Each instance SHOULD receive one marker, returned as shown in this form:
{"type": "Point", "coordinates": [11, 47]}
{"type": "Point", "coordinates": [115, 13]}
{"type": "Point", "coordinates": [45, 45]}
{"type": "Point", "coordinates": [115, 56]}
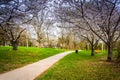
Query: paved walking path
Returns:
{"type": "Point", "coordinates": [30, 72]}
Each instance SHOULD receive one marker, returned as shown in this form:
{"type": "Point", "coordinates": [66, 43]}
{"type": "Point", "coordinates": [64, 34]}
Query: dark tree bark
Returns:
{"type": "Point", "coordinates": [92, 50]}
{"type": "Point", "coordinates": [14, 45]}
{"type": "Point", "coordinates": [110, 54]}
{"type": "Point", "coordinates": [76, 51]}
{"type": "Point", "coordinates": [118, 49]}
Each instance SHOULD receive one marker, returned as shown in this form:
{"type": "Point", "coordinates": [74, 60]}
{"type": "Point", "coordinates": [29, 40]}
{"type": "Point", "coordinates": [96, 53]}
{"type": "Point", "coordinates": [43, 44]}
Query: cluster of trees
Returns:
{"type": "Point", "coordinates": [100, 18]}
{"type": "Point", "coordinates": [14, 13]}
{"type": "Point", "coordinates": [80, 22]}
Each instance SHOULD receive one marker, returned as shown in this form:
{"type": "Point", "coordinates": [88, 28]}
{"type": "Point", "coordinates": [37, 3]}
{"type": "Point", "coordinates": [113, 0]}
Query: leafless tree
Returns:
{"type": "Point", "coordinates": [102, 17]}
{"type": "Point", "coordinates": [41, 22]}
{"type": "Point", "coordinates": [48, 26]}
{"type": "Point", "coordinates": [14, 13]}
{"type": "Point", "coordinates": [92, 39]}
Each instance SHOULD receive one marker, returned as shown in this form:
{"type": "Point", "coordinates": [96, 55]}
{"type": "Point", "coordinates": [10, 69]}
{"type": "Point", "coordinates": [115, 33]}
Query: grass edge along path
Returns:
{"type": "Point", "coordinates": [82, 66]}
{"type": "Point", "coordinates": [10, 59]}
{"type": "Point", "coordinates": [31, 71]}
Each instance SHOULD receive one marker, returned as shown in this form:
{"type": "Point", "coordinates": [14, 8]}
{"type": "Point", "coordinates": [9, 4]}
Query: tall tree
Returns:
{"type": "Point", "coordinates": [14, 13]}
{"type": "Point", "coordinates": [102, 17]}
{"type": "Point", "coordinates": [92, 39]}
{"type": "Point", "coordinates": [39, 21]}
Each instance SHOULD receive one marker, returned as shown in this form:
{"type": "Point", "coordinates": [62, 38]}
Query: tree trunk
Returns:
{"type": "Point", "coordinates": [14, 45]}
{"type": "Point", "coordinates": [110, 54]}
{"type": "Point", "coordinates": [4, 43]}
{"type": "Point", "coordinates": [118, 50]}
{"type": "Point", "coordinates": [39, 44]}
{"type": "Point", "coordinates": [118, 55]}
{"type": "Point", "coordinates": [92, 50]}
{"type": "Point", "coordinates": [102, 47]}
{"type": "Point", "coordinates": [27, 43]}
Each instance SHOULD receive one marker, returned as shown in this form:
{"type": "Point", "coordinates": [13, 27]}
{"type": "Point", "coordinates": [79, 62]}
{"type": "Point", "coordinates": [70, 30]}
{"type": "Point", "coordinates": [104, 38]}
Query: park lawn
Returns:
{"type": "Point", "coordinates": [10, 59]}
{"type": "Point", "coordinates": [82, 66]}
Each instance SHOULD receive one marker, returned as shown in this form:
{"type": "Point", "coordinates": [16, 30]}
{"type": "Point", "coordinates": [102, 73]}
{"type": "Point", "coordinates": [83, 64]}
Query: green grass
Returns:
{"type": "Point", "coordinates": [82, 66]}
{"type": "Point", "coordinates": [10, 59]}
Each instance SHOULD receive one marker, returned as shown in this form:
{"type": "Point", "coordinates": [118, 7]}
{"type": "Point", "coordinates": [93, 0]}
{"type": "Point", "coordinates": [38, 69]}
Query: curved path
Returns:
{"type": "Point", "coordinates": [30, 72]}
